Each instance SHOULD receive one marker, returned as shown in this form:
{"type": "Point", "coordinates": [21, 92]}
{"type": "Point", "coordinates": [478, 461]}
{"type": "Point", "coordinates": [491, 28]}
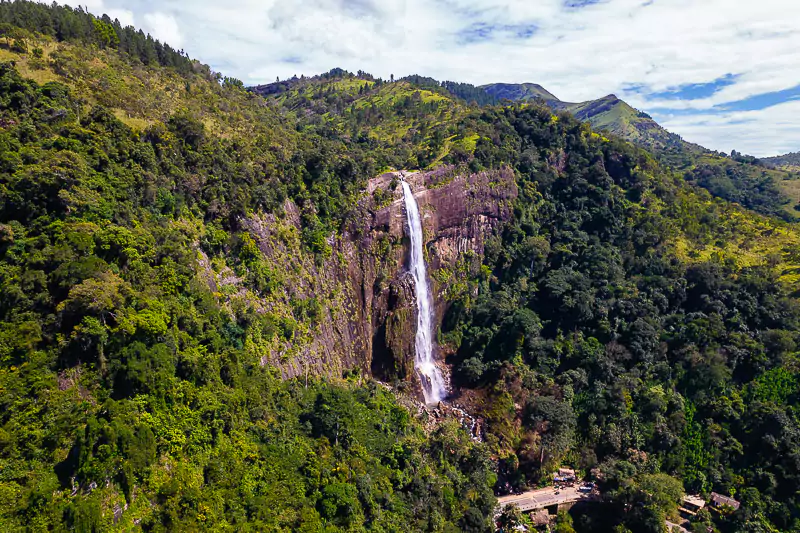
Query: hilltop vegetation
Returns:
{"type": "Point", "coordinates": [20, 20]}
{"type": "Point", "coordinates": [623, 321]}
{"type": "Point", "coordinates": [519, 92]}
{"type": "Point", "coordinates": [789, 161]}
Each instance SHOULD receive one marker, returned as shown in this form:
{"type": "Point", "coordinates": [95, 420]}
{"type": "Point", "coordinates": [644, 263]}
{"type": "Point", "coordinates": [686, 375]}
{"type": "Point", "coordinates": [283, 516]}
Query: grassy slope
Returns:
{"type": "Point", "coordinates": [143, 95]}
{"type": "Point", "coordinates": [619, 118]}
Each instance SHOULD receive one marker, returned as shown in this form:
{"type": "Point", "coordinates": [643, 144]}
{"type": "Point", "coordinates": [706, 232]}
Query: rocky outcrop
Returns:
{"type": "Point", "coordinates": [367, 304]}
{"type": "Point", "coordinates": [393, 340]}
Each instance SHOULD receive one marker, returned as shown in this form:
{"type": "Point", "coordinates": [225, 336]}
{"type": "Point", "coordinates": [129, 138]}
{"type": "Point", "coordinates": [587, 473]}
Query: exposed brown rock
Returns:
{"type": "Point", "coordinates": [369, 320]}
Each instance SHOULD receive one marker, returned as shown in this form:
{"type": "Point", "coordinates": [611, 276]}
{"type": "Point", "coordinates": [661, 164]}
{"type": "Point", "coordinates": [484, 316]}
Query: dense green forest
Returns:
{"type": "Point", "coordinates": [751, 186]}
{"type": "Point", "coordinates": [623, 321]}
{"type": "Point", "coordinates": [623, 358]}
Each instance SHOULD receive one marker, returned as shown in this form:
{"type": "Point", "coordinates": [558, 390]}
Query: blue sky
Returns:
{"type": "Point", "coordinates": [722, 73]}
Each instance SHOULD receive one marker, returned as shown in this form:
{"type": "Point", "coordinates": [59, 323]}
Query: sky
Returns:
{"type": "Point", "coordinates": [721, 73]}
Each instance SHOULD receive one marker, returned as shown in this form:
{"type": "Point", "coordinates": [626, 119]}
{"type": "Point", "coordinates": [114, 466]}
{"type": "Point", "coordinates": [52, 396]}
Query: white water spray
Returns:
{"type": "Point", "coordinates": [433, 386]}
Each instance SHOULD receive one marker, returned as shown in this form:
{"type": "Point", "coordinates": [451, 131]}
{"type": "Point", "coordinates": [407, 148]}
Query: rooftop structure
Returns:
{"type": "Point", "coordinates": [691, 504]}
{"type": "Point", "coordinates": [718, 500]}
{"type": "Point", "coordinates": [565, 474]}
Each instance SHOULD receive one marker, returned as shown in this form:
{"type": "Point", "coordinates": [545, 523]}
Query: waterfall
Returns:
{"type": "Point", "coordinates": [431, 377]}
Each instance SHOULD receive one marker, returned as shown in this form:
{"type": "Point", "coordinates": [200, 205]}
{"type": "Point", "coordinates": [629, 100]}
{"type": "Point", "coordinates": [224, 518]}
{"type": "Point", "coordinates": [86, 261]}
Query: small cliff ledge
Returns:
{"type": "Point", "coordinates": [364, 308]}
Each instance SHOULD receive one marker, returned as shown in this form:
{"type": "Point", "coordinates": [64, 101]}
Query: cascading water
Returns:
{"type": "Point", "coordinates": [433, 386]}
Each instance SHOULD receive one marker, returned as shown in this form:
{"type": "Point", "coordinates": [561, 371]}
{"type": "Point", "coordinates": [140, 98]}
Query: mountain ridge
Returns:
{"type": "Point", "coordinates": [606, 113]}
{"type": "Point", "coordinates": [518, 91]}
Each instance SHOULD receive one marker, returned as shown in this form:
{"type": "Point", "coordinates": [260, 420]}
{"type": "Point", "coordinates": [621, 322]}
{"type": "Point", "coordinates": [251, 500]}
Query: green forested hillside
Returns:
{"type": "Point", "coordinates": [606, 114]}
{"type": "Point", "coordinates": [622, 321]}
{"type": "Point", "coordinates": [740, 179]}
{"type": "Point", "coordinates": [788, 161]}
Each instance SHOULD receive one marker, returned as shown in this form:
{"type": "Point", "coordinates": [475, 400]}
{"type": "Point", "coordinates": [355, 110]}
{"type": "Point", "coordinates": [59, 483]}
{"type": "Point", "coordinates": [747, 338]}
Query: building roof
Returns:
{"type": "Point", "coordinates": [719, 499]}
{"type": "Point", "coordinates": [564, 474]}
{"type": "Point", "coordinates": [694, 500]}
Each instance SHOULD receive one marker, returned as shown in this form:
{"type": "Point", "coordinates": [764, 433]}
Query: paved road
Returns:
{"type": "Point", "coordinates": [541, 498]}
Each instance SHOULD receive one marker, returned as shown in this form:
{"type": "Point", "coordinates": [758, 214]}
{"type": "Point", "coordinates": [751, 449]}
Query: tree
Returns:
{"type": "Point", "coordinates": [8, 31]}
{"type": "Point", "coordinates": [662, 490]}
{"type": "Point", "coordinates": [510, 518]}
{"type": "Point", "coordinates": [564, 523]}
{"type": "Point", "coordinates": [99, 296]}
{"type": "Point", "coordinates": [106, 34]}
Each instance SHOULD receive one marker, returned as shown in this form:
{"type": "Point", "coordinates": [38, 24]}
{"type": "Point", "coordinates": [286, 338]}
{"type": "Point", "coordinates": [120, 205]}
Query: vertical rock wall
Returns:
{"type": "Point", "coordinates": [368, 309]}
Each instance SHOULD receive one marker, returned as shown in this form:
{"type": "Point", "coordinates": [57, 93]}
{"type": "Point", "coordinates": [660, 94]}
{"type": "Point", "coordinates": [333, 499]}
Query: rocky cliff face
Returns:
{"type": "Point", "coordinates": [362, 296]}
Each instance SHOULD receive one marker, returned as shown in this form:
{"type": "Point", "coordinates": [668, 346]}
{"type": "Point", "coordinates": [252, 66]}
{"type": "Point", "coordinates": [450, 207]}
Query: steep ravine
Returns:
{"type": "Point", "coordinates": [368, 319]}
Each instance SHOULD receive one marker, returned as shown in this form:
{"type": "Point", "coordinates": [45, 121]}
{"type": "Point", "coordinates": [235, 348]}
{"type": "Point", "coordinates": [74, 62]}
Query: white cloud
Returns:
{"type": "Point", "coordinates": [770, 131]}
{"type": "Point", "coordinates": [164, 27]}
{"type": "Point", "coordinates": [577, 53]}
{"type": "Point", "coordinates": [124, 16]}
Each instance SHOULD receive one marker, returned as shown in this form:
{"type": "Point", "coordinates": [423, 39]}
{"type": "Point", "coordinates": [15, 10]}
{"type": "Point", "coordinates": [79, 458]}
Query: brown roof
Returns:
{"type": "Point", "coordinates": [719, 499]}
{"type": "Point", "coordinates": [695, 501]}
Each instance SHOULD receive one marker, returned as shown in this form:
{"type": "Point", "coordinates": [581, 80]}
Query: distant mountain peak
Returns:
{"type": "Point", "coordinates": [519, 92]}
{"type": "Point", "coordinates": [606, 113]}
